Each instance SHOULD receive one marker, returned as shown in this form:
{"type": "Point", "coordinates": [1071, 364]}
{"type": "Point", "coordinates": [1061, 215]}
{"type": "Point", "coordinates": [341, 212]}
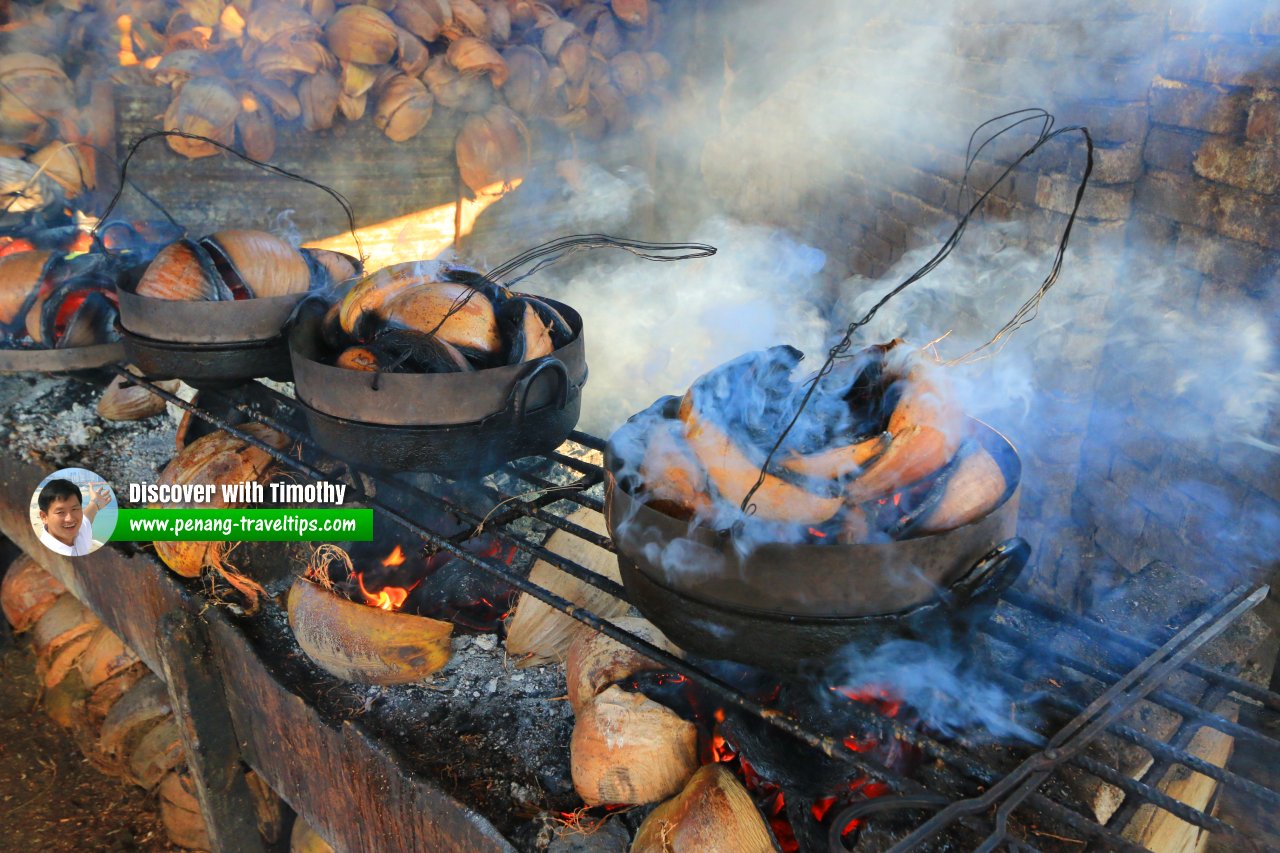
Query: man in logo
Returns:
{"type": "Point", "coordinates": [68, 527]}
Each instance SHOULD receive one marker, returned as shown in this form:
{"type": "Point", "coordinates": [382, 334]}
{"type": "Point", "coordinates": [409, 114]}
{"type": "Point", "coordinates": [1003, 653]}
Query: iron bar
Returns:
{"type": "Point", "coordinates": [1091, 628]}
{"type": "Point", "coordinates": [1104, 675]}
{"type": "Point", "coordinates": [1109, 706]}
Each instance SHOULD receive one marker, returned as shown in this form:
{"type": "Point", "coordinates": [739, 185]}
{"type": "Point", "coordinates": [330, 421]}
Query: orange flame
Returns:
{"type": "Point", "coordinates": [395, 558]}
{"type": "Point", "coordinates": [127, 56]}
{"type": "Point", "coordinates": [387, 598]}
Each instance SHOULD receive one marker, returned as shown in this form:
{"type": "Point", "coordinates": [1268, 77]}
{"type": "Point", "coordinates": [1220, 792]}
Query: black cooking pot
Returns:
{"type": "Point", "coordinates": [784, 606]}
{"type": "Point", "coordinates": [205, 343]}
{"type": "Point", "coordinates": [444, 423]}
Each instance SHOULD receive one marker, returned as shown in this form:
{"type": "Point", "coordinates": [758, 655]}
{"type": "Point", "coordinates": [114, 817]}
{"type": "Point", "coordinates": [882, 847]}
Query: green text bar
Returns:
{"type": "Point", "coordinates": [244, 525]}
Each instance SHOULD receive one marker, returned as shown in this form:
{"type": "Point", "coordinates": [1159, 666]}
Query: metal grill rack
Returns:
{"type": "Point", "coordinates": [966, 787]}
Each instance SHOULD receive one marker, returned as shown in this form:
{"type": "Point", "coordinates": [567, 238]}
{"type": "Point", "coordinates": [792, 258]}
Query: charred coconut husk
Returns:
{"type": "Point", "coordinates": [211, 311]}
{"type": "Point", "coordinates": [431, 367]}
{"type": "Point", "coordinates": [56, 312]}
{"type": "Point", "coordinates": [885, 512]}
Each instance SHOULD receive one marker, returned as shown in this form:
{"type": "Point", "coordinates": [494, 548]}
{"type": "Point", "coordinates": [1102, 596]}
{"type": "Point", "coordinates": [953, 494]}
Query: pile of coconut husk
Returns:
{"type": "Point", "coordinates": [117, 710]}
{"type": "Point", "coordinates": [241, 70]}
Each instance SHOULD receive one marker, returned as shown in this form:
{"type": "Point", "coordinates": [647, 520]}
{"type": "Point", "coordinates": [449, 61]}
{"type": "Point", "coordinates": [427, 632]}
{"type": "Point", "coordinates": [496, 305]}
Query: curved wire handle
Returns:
{"type": "Point", "coordinates": [556, 250]}
{"type": "Point", "coordinates": [266, 167]}
{"type": "Point", "coordinates": [1025, 313]}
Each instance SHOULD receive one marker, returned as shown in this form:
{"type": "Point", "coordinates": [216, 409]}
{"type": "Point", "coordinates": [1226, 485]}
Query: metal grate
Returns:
{"type": "Point", "coordinates": [964, 786]}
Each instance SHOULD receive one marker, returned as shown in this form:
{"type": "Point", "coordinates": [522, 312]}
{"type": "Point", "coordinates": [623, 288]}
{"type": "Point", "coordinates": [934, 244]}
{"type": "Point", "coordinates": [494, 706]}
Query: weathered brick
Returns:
{"type": "Point", "coordinates": [1057, 193]}
{"type": "Point", "coordinates": [1182, 198]}
{"type": "Point", "coordinates": [1214, 109]}
{"type": "Point", "coordinates": [1171, 149]}
{"type": "Point", "coordinates": [1147, 230]}
{"type": "Point", "coordinates": [1252, 465]}
{"type": "Point", "coordinates": [1109, 122]}
{"type": "Point", "coordinates": [1123, 546]}
{"type": "Point", "coordinates": [1223, 259]}
{"type": "Point", "coordinates": [1251, 64]}
{"type": "Point", "coordinates": [1248, 216]}
{"type": "Point", "coordinates": [1248, 166]}
{"type": "Point", "coordinates": [1263, 125]}
{"type": "Point", "coordinates": [1118, 164]}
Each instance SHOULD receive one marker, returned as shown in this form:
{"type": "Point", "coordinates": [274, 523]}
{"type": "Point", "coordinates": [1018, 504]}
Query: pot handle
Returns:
{"type": "Point", "coordinates": [519, 400]}
{"type": "Point", "coordinates": [995, 572]}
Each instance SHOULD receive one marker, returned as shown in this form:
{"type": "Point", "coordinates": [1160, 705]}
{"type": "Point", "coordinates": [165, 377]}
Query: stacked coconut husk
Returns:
{"type": "Point", "coordinates": [116, 709]}
{"type": "Point", "coordinates": [240, 70]}
{"type": "Point", "coordinates": [51, 128]}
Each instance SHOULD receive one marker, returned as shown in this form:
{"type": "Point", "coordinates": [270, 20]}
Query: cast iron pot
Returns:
{"type": "Point", "coordinates": [60, 360]}
{"type": "Point", "coordinates": [786, 607]}
{"type": "Point", "coordinates": [205, 344]}
{"type": "Point", "coordinates": [444, 423]}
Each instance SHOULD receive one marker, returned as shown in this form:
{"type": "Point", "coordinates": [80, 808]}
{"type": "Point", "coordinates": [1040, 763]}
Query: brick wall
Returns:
{"type": "Point", "coordinates": [1208, 197]}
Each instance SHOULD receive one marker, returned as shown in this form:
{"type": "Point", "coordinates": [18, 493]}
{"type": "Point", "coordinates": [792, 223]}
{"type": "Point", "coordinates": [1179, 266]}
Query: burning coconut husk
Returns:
{"type": "Point", "coordinates": [357, 641]}
{"type": "Point", "coordinates": [51, 301]}
{"type": "Point", "coordinates": [425, 317]}
{"type": "Point", "coordinates": [880, 453]}
{"type": "Point", "coordinates": [234, 265]}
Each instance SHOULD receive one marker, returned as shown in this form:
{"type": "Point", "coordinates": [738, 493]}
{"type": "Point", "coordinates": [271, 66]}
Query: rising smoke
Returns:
{"type": "Point", "coordinates": [816, 101]}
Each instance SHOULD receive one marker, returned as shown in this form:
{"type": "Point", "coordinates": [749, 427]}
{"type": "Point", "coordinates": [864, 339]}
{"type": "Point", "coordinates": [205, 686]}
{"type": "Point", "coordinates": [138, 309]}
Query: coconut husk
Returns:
{"type": "Point", "coordinates": [528, 89]}
{"type": "Point", "coordinates": [626, 748]}
{"type": "Point", "coordinates": [304, 839]}
{"type": "Point", "coordinates": [404, 108]}
{"type": "Point", "coordinates": [68, 165]}
{"type": "Point", "coordinates": [27, 592]}
{"type": "Point", "coordinates": [423, 18]}
{"type": "Point", "coordinates": [64, 622]}
{"type": "Point", "coordinates": [713, 814]}
{"type": "Point", "coordinates": [134, 403]}
{"type": "Point", "coordinates": [596, 661]}
{"type": "Point", "coordinates": [469, 19]}
{"type": "Point", "coordinates": [157, 752]}
{"type": "Point", "coordinates": [206, 107]}
{"type": "Point", "coordinates": [412, 55]}
{"type": "Point", "coordinates": [493, 148]}
{"type": "Point", "coordinates": [140, 709]}
{"type": "Point", "coordinates": [283, 102]}
{"type": "Point", "coordinates": [318, 95]}
{"type": "Point", "coordinates": [180, 811]}
{"type": "Point", "coordinates": [455, 91]}
{"type": "Point", "coordinates": [631, 73]}
{"type": "Point", "coordinates": [473, 56]}
{"type": "Point", "coordinates": [256, 131]}
{"type": "Point", "coordinates": [218, 458]}
{"type": "Point", "coordinates": [537, 633]}
{"type": "Point", "coordinates": [362, 34]}
{"type": "Point", "coordinates": [633, 13]}
{"type": "Point", "coordinates": [363, 644]}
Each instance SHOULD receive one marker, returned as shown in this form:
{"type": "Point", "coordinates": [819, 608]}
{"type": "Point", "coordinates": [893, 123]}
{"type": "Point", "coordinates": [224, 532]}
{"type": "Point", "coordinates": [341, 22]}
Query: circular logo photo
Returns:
{"type": "Point", "coordinates": [74, 511]}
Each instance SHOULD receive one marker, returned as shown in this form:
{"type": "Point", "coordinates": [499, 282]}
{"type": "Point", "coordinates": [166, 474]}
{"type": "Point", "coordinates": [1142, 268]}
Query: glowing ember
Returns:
{"type": "Point", "coordinates": [14, 246]}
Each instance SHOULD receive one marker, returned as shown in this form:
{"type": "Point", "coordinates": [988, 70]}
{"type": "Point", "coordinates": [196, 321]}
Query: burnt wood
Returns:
{"type": "Point", "coordinates": [340, 778]}
{"type": "Point", "coordinates": [213, 754]}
